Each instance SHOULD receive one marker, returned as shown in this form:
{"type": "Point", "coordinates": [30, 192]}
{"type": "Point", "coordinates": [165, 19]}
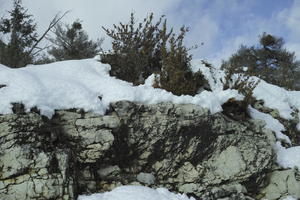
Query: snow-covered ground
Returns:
{"type": "Point", "coordinates": [86, 84]}
{"type": "Point", "coordinates": [136, 193]}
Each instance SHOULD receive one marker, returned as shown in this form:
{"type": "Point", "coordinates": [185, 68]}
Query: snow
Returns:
{"type": "Point", "coordinates": [289, 198]}
{"type": "Point", "coordinates": [80, 83]}
{"type": "Point", "coordinates": [288, 157]}
{"type": "Point", "coordinates": [271, 123]}
{"type": "Point", "coordinates": [136, 193]}
{"type": "Point", "coordinates": [277, 98]}
{"type": "Point", "coordinates": [285, 102]}
{"type": "Point", "coordinates": [274, 97]}
{"type": "Point", "coordinates": [213, 75]}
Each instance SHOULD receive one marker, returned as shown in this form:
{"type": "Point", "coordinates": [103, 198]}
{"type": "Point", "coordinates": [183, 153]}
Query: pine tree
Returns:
{"type": "Point", "coordinates": [22, 36]}
{"type": "Point", "coordinates": [269, 61]}
{"type": "Point", "coordinates": [72, 42]}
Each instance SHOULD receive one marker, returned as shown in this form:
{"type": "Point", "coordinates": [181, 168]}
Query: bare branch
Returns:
{"type": "Point", "coordinates": [40, 49]}
{"type": "Point", "coordinates": [54, 21]}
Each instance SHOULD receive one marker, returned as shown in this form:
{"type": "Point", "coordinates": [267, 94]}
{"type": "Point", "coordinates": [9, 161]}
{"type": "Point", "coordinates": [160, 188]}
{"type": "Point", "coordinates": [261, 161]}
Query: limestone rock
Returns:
{"type": "Point", "coordinates": [185, 147]}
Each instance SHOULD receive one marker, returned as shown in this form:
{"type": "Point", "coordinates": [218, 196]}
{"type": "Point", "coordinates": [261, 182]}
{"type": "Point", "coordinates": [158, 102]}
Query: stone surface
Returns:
{"type": "Point", "coordinates": [181, 147]}
{"type": "Point", "coordinates": [282, 183]}
{"type": "Point", "coordinates": [32, 167]}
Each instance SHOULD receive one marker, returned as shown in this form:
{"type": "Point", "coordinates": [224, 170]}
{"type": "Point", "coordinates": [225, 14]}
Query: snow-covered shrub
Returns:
{"type": "Point", "coordinates": [139, 50]}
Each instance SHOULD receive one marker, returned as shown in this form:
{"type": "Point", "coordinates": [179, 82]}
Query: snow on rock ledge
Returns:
{"type": "Point", "coordinates": [81, 84]}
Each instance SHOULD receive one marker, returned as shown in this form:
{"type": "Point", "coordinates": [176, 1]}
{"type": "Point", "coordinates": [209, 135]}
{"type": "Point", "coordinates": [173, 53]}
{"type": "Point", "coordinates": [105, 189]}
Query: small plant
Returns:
{"type": "Point", "coordinates": [240, 82]}
{"type": "Point", "coordinates": [212, 71]}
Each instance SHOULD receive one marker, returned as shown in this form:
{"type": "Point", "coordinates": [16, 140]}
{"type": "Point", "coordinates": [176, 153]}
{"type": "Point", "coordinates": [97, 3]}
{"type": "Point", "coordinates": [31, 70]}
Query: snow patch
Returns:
{"type": "Point", "coordinates": [271, 123]}
{"type": "Point", "coordinates": [289, 198]}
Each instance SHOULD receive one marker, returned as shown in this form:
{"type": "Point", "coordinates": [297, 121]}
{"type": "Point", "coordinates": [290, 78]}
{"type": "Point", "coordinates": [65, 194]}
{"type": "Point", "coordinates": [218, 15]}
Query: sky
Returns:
{"type": "Point", "coordinates": [221, 25]}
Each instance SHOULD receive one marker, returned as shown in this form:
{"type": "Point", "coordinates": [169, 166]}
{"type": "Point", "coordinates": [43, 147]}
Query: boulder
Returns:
{"type": "Point", "coordinates": [182, 147]}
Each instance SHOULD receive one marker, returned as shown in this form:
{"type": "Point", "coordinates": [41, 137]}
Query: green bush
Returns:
{"type": "Point", "coordinates": [243, 83]}
{"type": "Point", "coordinates": [139, 50]}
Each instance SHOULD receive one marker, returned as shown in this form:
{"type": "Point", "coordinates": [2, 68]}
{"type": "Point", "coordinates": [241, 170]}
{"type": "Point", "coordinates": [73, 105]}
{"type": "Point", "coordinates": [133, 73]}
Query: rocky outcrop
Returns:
{"type": "Point", "coordinates": [181, 147]}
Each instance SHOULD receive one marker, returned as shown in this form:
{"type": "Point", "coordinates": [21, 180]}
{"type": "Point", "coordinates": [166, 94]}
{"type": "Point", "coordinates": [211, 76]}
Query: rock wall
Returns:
{"type": "Point", "coordinates": [181, 147]}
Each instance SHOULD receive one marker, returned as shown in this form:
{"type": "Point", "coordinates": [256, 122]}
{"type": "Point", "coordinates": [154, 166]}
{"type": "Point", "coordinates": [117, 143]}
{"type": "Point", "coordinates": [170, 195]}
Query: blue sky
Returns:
{"type": "Point", "coordinates": [222, 25]}
{"type": "Point", "coordinates": [225, 24]}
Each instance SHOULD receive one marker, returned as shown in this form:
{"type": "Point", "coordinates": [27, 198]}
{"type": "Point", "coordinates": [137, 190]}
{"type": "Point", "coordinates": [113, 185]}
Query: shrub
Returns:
{"type": "Point", "coordinates": [139, 50]}
{"type": "Point", "coordinates": [244, 84]}
{"type": "Point", "coordinates": [136, 50]}
{"type": "Point", "coordinates": [176, 75]}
